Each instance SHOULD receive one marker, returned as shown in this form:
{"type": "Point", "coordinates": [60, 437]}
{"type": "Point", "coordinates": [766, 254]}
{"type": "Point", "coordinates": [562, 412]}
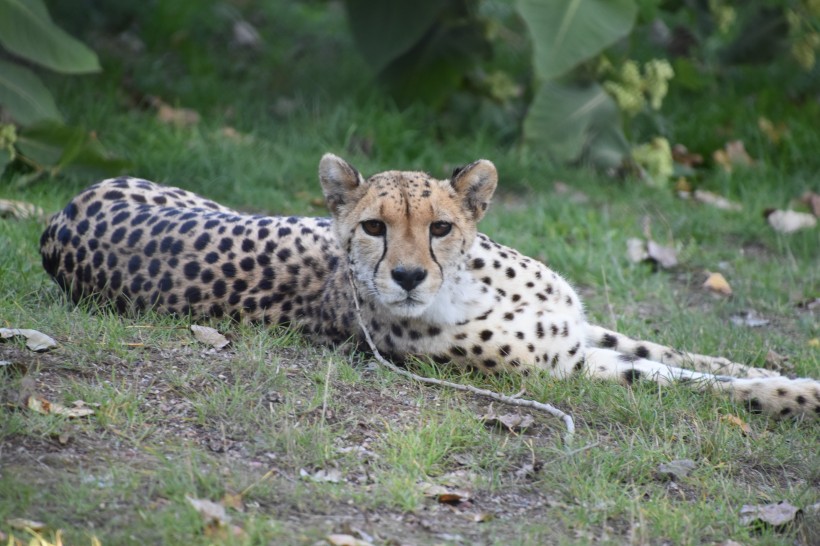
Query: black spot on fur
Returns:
{"type": "Point", "coordinates": [609, 341]}
{"type": "Point", "coordinates": [486, 335]}
{"type": "Point", "coordinates": [630, 376]}
{"type": "Point", "coordinates": [641, 351]}
{"type": "Point", "coordinates": [755, 406]}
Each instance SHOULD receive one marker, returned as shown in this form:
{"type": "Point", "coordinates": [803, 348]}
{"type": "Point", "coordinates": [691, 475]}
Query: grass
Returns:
{"type": "Point", "coordinates": [261, 418]}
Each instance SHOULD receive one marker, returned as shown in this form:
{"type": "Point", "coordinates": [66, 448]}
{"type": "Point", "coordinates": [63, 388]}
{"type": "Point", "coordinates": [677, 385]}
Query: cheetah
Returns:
{"type": "Point", "coordinates": [405, 245]}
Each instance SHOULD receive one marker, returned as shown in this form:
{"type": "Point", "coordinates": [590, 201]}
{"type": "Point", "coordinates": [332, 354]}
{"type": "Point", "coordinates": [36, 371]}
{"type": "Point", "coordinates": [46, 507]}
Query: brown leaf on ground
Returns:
{"type": "Point", "coordinates": [779, 515]}
{"type": "Point", "coordinates": [216, 519]}
{"type": "Point", "coordinates": [738, 422]}
{"type": "Point", "coordinates": [789, 221]}
{"type": "Point", "coordinates": [41, 405]}
{"type": "Point", "coordinates": [682, 156]}
{"type": "Point", "coordinates": [774, 132]}
{"type": "Point", "coordinates": [36, 341]}
{"type": "Point", "coordinates": [718, 284]}
{"type": "Point", "coordinates": [514, 422]}
{"type": "Point", "coordinates": [179, 117]}
{"type": "Point", "coordinates": [677, 469]}
{"type": "Point", "coordinates": [732, 155]}
{"type": "Point", "coordinates": [209, 336]}
{"type": "Point", "coordinates": [812, 199]}
{"type": "Point", "coordinates": [445, 495]}
{"type": "Point", "coordinates": [20, 210]}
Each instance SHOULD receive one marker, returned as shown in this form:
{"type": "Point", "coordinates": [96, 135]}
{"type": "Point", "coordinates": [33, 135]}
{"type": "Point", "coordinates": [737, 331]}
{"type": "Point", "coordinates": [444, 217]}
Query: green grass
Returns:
{"type": "Point", "coordinates": [176, 419]}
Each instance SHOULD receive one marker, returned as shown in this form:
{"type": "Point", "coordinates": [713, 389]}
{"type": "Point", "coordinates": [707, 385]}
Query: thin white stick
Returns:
{"type": "Point", "coordinates": [511, 400]}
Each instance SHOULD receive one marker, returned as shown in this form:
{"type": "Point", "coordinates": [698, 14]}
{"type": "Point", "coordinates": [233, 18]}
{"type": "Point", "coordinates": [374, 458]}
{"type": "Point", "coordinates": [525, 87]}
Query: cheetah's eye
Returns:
{"type": "Point", "coordinates": [440, 229]}
{"type": "Point", "coordinates": [374, 228]}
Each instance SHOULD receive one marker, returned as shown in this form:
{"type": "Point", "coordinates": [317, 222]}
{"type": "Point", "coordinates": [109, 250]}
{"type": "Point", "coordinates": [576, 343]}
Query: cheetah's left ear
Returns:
{"type": "Point", "coordinates": [475, 183]}
{"type": "Point", "coordinates": [341, 182]}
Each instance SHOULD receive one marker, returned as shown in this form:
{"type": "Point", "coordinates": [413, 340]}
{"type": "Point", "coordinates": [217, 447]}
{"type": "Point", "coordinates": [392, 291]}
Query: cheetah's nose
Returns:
{"type": "Point", "coordinates": [408, 278]}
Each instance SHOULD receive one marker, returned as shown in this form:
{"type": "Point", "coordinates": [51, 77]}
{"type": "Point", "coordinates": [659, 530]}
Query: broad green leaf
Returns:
{"type": "Point", "coordinates": [5, 159]}
{"type": "Point", "coordinates": [24, 96]}
{"type": "Point", "coordinates": [385, 30]}
{"type": "Point", "coordinates": [570, 122]}
{"type": "Point", "coordinates": [27, 30]}
{"type": "Point", "coordinates": [62, 148]}
{"type": "Point", "coordinates": [567, 32]}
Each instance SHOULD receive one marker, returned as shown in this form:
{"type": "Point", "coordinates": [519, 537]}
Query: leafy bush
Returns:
{"type": "Point", "coordinates": [44, 145]}
{"type": "Point", "coordinates": [582, 89]}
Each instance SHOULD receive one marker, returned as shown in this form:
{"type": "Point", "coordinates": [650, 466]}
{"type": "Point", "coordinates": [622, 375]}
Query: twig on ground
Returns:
{"type": "Point", "coordinates": [514, 400]}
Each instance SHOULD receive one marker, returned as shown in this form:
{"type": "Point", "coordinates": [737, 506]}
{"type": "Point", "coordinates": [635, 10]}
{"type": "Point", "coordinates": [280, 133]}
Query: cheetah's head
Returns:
{"type": "Point", "coordinates": [406, 233]}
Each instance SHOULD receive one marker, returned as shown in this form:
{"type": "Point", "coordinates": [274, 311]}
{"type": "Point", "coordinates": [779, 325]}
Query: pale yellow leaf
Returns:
{"type": "Point", "coordinates": [41, 405]}
{"type": "Point", "coordinates": [36, 341]}
{"type": "Point", "coordinates": [22, 524]}
{"type": "Point", "coordinates": [345, 540]}
{"type": "Point", "coordinates": [738, 422]}
{"type": "Point", "coordinates": [788, 221]}
{"type": "Point", "coordinates": [209, 336]}
{"type": "Point", "coordinates": [717, 283]}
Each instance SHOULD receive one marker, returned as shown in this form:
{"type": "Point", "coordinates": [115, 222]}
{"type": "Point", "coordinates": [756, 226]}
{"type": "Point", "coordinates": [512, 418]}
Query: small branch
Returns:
{"type": "Point", "coordinates": [514, 400]}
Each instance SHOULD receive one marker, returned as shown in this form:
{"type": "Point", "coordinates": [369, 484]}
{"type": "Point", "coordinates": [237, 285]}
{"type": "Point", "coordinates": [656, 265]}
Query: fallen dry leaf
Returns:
{"type": "Point", "coordinates": [733, 154]}
{"type": "Point", "coordinates": [682, 156]}
{"type": "Point", "coordinates": [245, 34]}
{"type": "Point", "coordinates": [445, 495]}
{"type": "Point", "coordinates": [574, 196]}
{"type": "Point", "coordinates": [211, 512]}
{"type": "Point", "coordinates": [788, 221]}
{"type": "Point", "coordinates": [677, 469]}
{"type": "Point", "coordinates": [814, 342]}
{"type": "Point", "coordinates": [774, 133]}
{"type": "Point", "coordinates": [665, 256]}
{"type": "Point", "coordinates": [327, 476]}
{"type": "Point", "coordinates": [346, 540]}
{"type": "Point", "coordinates": [778, 515]}
{"type": "Point", "coordinates": [749, 318]}
{"type": "Point", "coordinates": [812, 200]}
{"type": "Point", "coordinates": [233, 500]}
{"type": "Point", "coordinates": [514, 422]}
{"type": "Point", "coordinates": [22, 524]}
{"type": "Point", "coordinates": [19, 210]}
{"type": "Point", "coordinates": [209, 336]}
{"type": "Point", "coordinates": [636, 250]}
{"type": "Point", "coordinates": [41, 405]}
{"type": "Point", "coordinates": [36, 341]}
{"type": "Point", "coordinates": [715, 200]}
{"type": "Point", "coordinates": [738, 422]}
{"type": "Point", "coordinates": [481, 517]}
{"type": "Point", "coordinates": [180, 117]}
{"type": "Point", "coordinates": [639, 251]}
{"type": "Point", "coordinates": [717, 283]}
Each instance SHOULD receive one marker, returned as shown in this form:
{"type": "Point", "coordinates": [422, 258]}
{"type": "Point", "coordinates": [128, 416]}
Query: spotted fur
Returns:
{"type": "Point", "coordinates": [429, 284]}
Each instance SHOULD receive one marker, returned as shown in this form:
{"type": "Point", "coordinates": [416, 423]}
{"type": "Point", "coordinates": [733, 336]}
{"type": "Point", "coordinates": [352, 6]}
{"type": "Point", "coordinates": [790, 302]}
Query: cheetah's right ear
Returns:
{"type": "Point", "coordinates": [475, 183]}
{"type": "Point", "coordinates": [341, 182]}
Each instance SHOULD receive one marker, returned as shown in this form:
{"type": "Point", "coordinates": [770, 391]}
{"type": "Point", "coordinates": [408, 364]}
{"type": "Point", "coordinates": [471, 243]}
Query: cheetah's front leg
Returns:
{"type": "Point", "coordinates": [776, 396]}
